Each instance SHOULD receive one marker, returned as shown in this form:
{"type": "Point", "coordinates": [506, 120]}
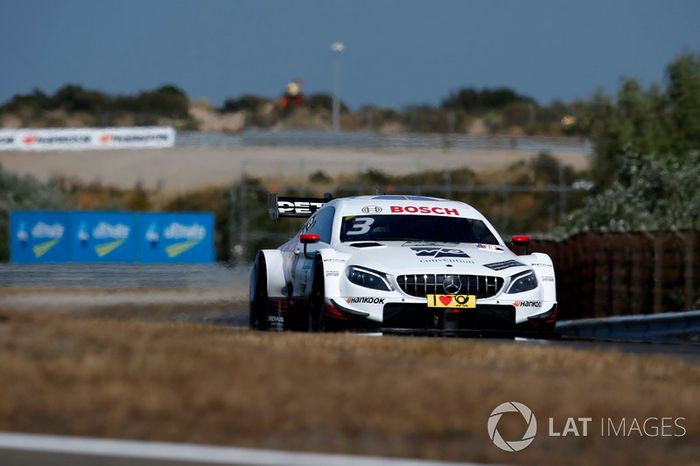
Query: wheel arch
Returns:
{"type": "Point", "coordinates": [332, 265]}
{"type": "Point", "coordinates": [544, 270]}
{"type": "Point", "coordinates": [274, 270]}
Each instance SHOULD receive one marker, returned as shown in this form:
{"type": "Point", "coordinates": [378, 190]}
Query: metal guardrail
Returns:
{"type": "Point", "coordinates": [50, 450]}
{"type": "Point", "coordinates": [119, 276]}
{"type": "Point", "coordinates": [664, 326]}
{"type": "Point", "coordinates": [374, 140]}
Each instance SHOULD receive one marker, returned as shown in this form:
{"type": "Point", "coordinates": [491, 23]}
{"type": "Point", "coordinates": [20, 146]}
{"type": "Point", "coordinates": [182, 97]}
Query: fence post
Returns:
{"type": "Point", "coordinates": [658, 273]}
{"type": "Point", "coordinates": [506, 208]}
{"type": "Point", "coordinates": [688, 270]}
{"type": "Point", "coordinates": [232, 225]}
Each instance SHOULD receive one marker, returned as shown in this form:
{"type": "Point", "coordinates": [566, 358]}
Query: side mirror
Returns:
{"type": "Point", "coordinates": [521, 240]}
{"type": "Point", "coordinates": [308, 238]}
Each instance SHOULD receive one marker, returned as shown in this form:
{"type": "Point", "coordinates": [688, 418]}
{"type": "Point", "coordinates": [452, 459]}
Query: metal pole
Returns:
{"type": "Point", "coordinates": [562, 193]}
{"type": "Point", "coordinates": [337, 48]}
{"type": "Point", "coordinates": [336, 92]}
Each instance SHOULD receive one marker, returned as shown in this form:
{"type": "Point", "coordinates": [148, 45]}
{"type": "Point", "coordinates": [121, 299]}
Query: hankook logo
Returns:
{"type": "Point", "coordinates": [452, 284]}
{"type": "Point", "coordinates": [512, 445]}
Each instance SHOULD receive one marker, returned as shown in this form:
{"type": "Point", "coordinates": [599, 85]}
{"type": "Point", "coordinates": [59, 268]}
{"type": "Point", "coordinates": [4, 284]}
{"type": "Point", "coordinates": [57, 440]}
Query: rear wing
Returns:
{"type": "Point", "coordinates": [294, 206]}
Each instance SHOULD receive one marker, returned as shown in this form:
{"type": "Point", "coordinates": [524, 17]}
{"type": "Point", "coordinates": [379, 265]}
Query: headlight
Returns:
{"type": "Point", "coordinates": [523, 282]}
{"type": "Point", "coordinates": [368, 278]}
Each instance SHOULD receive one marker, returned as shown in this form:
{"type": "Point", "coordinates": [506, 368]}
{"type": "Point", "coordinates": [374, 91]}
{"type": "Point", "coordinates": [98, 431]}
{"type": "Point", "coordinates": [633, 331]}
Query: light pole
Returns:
{"type": "Point", "coordinates": [337, 49]}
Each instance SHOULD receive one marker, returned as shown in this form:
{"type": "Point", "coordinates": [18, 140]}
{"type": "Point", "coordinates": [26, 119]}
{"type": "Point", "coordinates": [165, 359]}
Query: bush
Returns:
{"type": "Point", "coordinates": [26, 193]}
{"type": "Point", "coordinates": [246, 102]}
{"type": "Point", "coordinates": [647, 146]}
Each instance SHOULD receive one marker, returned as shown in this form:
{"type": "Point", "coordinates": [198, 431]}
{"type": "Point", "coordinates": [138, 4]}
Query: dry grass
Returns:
{"type": "Point", "coordinates": [344, 393]}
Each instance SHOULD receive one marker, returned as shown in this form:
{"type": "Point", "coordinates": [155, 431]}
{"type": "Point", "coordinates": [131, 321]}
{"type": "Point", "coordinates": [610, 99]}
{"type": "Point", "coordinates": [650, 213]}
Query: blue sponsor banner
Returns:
{"type": "Point", "coordinates": [181, 237]}
{"type": "Point", "coordinates": [39, 236]}
{"type": "Point", "coordinates": [103, 237]}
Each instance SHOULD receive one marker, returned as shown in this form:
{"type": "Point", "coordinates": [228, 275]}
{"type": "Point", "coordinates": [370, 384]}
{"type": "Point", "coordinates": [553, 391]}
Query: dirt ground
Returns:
{"type": "Point", "coordinates": [186, 168]}
{"type": "Point", "coordinates": [405, 397]}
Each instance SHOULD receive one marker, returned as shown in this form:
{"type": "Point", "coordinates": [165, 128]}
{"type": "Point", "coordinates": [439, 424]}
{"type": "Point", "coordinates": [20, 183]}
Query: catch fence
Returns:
{"type": "Point", "coordinates": [608, 274]}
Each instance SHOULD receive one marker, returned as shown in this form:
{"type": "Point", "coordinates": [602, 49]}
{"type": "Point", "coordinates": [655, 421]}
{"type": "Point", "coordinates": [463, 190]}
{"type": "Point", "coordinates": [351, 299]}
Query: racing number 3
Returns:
{"type": "Point", "coordinates": [361, 226]}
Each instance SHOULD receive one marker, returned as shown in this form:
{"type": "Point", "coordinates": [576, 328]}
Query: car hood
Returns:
{"type": "Point", "coordinates": [399, 258]}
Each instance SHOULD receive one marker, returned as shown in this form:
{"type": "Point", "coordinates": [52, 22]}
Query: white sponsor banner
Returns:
{"type": "Point", "coordinates": [87, 138]}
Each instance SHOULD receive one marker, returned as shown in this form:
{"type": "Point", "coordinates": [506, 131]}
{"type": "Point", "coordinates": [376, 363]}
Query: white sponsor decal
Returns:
{"type": "Point", "coordinates": [105, 230]}
{"type": "Point", "coordinates": [489, 247]}
{"type": "Point", "coordinates": [44, 230]}
{"type": "Point", "coordinates": [180, 231]}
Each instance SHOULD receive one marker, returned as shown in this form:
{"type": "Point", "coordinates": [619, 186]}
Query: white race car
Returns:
{"type": "Point", "coordinates": [398, 263]}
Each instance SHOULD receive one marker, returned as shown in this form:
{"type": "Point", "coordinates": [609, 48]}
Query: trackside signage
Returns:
{"type": "Point", "coordinates": [39, 236]}
{"type": "Point", "coordinates": [176, 237]}
{"type": "Point", "coordinates": [87, 138]}
{"type": "Point", "coordinates": [123, 237]}
{"type": "Point", "coordinates": [103, 237]}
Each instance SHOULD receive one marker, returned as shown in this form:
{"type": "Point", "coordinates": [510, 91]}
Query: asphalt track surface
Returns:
{"type": "Point", "coordinates": [219, 276]}
{"type": "Point", "coordinates": [689, 351]}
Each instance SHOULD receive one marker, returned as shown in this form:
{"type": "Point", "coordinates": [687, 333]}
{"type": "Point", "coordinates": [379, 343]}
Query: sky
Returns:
{"type": "Point", "coordinates": [396, 53]}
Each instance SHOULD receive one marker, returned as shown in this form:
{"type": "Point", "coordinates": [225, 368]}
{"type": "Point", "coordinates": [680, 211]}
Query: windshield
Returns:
{"type": "Point", "coordinates": [415, 228]}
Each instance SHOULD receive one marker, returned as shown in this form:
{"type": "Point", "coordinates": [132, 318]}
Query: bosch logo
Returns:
{"type": "Point", "coordinates": [371, 209]}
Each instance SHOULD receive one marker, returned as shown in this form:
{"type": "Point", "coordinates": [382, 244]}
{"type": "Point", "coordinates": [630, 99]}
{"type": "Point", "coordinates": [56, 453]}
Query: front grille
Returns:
{"type": "Point", "coordinates": [420, 285]}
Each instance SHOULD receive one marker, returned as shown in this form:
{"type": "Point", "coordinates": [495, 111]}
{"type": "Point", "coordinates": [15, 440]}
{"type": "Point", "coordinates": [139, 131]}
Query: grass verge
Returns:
{"type": "Point", "coordinates": [406, 397]}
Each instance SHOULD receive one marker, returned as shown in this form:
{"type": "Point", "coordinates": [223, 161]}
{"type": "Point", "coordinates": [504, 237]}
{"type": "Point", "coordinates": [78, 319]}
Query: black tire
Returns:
{"type": "Point", "coordinates": [317, 308]}
{"type": "Point", "coordinates": [259, 302]}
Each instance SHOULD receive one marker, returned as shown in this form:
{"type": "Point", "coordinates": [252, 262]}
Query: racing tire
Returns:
{"type": "Point", "coordinates": [259, 303]}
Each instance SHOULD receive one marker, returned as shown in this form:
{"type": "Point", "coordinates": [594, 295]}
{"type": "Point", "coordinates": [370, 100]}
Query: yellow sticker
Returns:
{"type": "Point", "coordinates": [454, 301]}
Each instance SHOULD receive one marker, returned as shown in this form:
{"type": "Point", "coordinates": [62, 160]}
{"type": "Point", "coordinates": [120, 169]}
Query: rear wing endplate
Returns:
{"type": "Point", "coordinates": [294, 206]}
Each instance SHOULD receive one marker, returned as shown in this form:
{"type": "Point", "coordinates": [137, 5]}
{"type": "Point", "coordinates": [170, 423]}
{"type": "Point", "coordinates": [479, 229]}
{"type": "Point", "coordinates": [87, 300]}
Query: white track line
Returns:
{"type": "Point", "coordinates": [130, 451]}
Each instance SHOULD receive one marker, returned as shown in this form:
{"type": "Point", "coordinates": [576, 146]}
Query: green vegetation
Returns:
{"type": "Point", "coordinates": [26, 193]}
{"type": "Point", "coordinates": [647, 155]}
{"type": "Point", "coordinates": [498, 110]}
{"type": "Point", "coordinates": [246, 102]}
{"type": "Point", "coordinates": [98, 108]}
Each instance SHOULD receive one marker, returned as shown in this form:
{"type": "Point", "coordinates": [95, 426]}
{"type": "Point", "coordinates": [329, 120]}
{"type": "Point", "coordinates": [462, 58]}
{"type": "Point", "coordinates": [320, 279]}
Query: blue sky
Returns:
{"type": "Point", "coordinates": [397, 52]}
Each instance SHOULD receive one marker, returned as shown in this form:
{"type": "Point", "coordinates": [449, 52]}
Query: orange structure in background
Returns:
{"type": "Point", "coordinates": [293, 97]}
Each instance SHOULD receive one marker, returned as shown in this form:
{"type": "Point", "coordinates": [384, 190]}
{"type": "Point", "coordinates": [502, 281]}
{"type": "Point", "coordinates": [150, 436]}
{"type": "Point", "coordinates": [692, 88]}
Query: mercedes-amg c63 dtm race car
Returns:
{"type": "Point", "coordinates": [398, 263]}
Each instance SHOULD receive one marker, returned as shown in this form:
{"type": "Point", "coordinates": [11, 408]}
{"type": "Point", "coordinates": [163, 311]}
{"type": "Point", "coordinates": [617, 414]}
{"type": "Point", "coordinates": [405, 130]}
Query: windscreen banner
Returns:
{"type": "Point", "coordinates": [111, 237]}
{"type": "Point", "coordinates": [176, 237]}
{"type": "Point", "coordinates": [87, 138]}
{"type": "Point", "coordinates": [39, 236]}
